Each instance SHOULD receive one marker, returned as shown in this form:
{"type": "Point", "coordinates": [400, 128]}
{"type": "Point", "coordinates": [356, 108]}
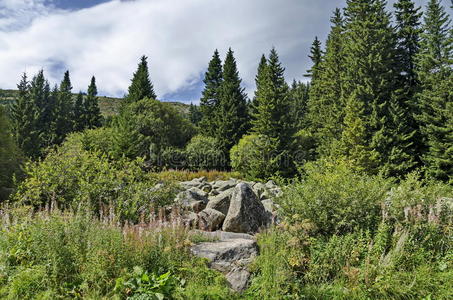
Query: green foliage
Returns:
{"type": "Point", "coordinates": [79, 122]}
{"type": "Point", "coordinates": [435, 99]}
{"type": "Point", "coordinates": [142, 285]}
{"type": "Point", "coordinates": [71, 177]}
{"type": "Point", "coordinates": [141, 86]}
{"type": "Point", "coordinates": [92, 113]}
{"type": "Point", "coordinates": [10, 157]}
{"type": "Point", "coordinates": [204, 153]}
{"type": "Point", "coordinates": [255, 157]}
{"type": "Point", "coordinates": [231, 120]}
{"type": "Point", "coordinates": [64, 114]}
{"type": "Point", "coordinates": [349, 200]}
{"type": "Point", "coordinates": [146, 127]}
{"type": "Point", "coordinates": [62, 255]}
{"type": "Point", "coordinates": [210, 95]}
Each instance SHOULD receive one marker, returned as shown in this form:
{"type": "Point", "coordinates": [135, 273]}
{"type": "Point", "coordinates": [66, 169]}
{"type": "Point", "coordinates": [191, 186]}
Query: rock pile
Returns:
{"type": "Point", "coordinates": [229, 212]}
{"type": "Point", "coordinates": [231, 205]}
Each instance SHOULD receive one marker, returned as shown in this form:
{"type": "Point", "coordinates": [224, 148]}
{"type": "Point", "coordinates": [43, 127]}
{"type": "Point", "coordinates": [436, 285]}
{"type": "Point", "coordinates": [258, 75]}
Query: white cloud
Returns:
{"type": "Point", "coordinates": [178, 36]}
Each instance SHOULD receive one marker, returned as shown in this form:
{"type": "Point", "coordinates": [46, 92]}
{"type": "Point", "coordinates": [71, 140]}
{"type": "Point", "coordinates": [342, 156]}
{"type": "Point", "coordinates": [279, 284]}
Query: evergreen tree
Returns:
{"type": "Point", "coordinates": [210, 95]}
{"type": "Point", "coordinates": [92, 112]}
{"type": "Point", "coordinates": [64, 110]}
{"type": "Point", "coordinates": [231, 116]}
{"type": "Point", "coordinates": [79, 113]}
{"type": "Point", "coordinates": [370, 72]}
{"type": "Point", "coordinates": [273, 104]}
{"type": "Point", "coordinates": [299, 95]}
{"type": "Point", "coordinates": [325, 106]}
{"type": "Point", "coordinates": [141, 86]}
{"type": "Point", "coordinates": [25, 116]}
{"type": "Point", "coordinates": [408, 39]}
{"type": "Point", "coordinates": [40, 93]}
{"type": "Point", "coordinates": [260, 81]}
{"type": "Point", "coordinates": [316, 58]}
{"type": "Point", "coordinates": [436, 97]}
{"type": "Point", "coordinates": [195, 114]}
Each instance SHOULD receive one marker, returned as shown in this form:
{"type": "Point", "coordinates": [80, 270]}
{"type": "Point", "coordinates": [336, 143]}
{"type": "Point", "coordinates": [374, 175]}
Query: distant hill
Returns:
{"type": "Point", "coordinates": [109, 105]}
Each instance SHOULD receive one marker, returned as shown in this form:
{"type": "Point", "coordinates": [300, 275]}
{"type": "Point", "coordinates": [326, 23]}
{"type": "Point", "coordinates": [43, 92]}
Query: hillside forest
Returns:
{"type": "Point", "coordinates": [362, 150]}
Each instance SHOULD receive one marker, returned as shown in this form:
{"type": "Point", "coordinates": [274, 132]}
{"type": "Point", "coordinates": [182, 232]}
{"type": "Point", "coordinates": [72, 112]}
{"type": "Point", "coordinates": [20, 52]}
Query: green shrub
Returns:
{"type": "Point", "coordinates": [335, 199]}
{"type": "Point", "coordinates": [98, 140]}
{"type": "Point", "coordinates": [62, 255]}
{"type": "Point", "coordinates": [255, 157]}
{"type": "Point", "coordinates": [147, 127]}
{"type": "Point", "coordinates": [70, 177]}
{"type": "Point", "coordinates": [204, 153]}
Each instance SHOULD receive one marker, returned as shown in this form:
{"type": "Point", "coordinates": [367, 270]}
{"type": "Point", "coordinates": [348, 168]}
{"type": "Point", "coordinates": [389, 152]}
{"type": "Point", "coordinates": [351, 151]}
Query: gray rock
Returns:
{"type": "Point", "coordinates": [223, 235]}
{"type": "Point", "coordinates": [271, 184]}
{"type": "Point", "coordinates": [211, 219]}
{"type": "Point", "coordinates": [246, 213]}
{"type": "Point", "coordinates": [221, 202]}
{"type": "Point", "coordinates": [269, 205]}
{"type": "Point", "coordinates": [193, 199]}
{"type": "Point", "coordinates": [223, 185]}
{"type": "Point", "coordinates": [231, 256]}
{"type": "Point", "coordinates": [259, 189]}
{"type": "Point", "coordinates": [190, 219]}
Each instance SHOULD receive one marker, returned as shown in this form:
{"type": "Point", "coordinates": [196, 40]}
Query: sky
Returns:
{"type": "Point", "coordinates": [106, 38]}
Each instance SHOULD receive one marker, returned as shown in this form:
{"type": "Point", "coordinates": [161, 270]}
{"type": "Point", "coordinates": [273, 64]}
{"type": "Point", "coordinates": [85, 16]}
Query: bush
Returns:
{"type": "Point", "coordinates": [255, 157]}
{"type": "Point", "coordinates": [147, 127]}
{"type": "Point", "coordinates": [335, 199]}
{"type": "Point", "coordinates": [204, 153]}
{"type": "Point", "coordinates": [70, 177]}
{"type": "Point", "coordinates": [97, 140]}
{"type": "Point", "coordinates": [62, 255]}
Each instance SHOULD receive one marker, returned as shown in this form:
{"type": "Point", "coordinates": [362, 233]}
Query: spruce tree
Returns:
{"type": "Point", "coordinates": [408, 39]}
{"type": "Point", "coordinates": [64, 110]}
{"type": "Point", "coordinates": [79, 113]}
{"type": "Point", "coordinates": [92, 112]}
{"type": "Point", "coordinates": [273, 104]}
{"type": "Point", "coordinates": [436, 97]}
{"type": "Point", "coordinates": [141, 86]}
{"type": "Point", "coordinates": [316, 58]}
{"type": "Point", "coordinates": [194, 114]}
{"type": "Point", "coordinates": [231, 113]}
{"type": "Point", "coordinates": [40, 95]}
{"type": "Point", "coordinates": [370, 72]}
{"type": "Point", "coordinates": [325, 106]}
{"type": "Point", "coordinates": [299, 95]}
{"type": "Point", "coordinates": [25, 115]}
{"type": "Point", "coordinates": [210, 95]}
{"type": "Point", "coordinates": [260, 79]}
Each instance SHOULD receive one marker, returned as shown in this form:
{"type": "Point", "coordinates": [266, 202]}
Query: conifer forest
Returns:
{"type": "Point", "coordinates": [336, 186]}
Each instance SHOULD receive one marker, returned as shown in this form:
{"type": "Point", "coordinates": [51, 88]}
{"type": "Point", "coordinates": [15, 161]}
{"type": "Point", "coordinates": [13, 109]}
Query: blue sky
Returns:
{"type": "Point", "coordinates": [105, 38]}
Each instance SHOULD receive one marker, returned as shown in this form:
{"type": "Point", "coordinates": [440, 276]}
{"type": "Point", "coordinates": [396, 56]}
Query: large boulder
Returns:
{"type": "Point", "coordinates": [221, 202]}
{"type": "Point", "coordinates": [210, 219]}
{"type": "Point", "coordinates": [223, 185]}
{"type": "Point", "coordinates": [246, 213]}
{"type": "Point", "coordinates": [230, 254]}
{"type": "Point", "coordinates": [193, 199]}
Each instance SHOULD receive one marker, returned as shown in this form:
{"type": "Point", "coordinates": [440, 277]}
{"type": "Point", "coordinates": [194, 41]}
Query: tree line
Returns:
{"type": "Point", "coordinates": [378, 97]}
{"type": "Point", "coordinates": [42, 117]}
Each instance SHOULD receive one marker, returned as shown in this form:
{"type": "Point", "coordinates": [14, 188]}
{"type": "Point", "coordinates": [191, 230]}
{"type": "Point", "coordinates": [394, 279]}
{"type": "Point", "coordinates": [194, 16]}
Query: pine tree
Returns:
{"type": "Point", "coordinates": [210, 95]}
{"type": "Point", "coordinates": [408, 39]}
{"type": "Point", "coordinates": [40, 93]}
{"type": "Point", "coordinates": [64, 110]}
{"type": "Point", "coordinates": [435, 99]}
{"type": "Point", "coordinates": [92, 112]}
{"type": "Point", "coordinates": [299, 95]}
{"type": "Point", "coordinates": [25, 116]}
{"type": "Point", "coordinates": [316, 58]}
{"type": "Point", "coordinates": [231, 115]}
{"type": "Point", "coordinates": [79, 113]}
{"type": "Point", "coordinates": [194, 114]}
{"type": "Point", "coordinates": [141, 86]}
{"type": "Point", "coordinates": [370, 72]}
{"type": "Point", "coordinates": [273, 104]}
{"type": "Point", "coordinates": [260, 81]}
{"type": "Point", "coordinates": [325, 108]}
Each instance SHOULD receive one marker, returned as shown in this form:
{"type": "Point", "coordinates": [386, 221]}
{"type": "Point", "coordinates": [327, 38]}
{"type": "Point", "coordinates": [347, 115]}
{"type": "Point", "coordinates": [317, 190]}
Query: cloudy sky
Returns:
{"type": "Point", "coordinates": [105, 38]}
